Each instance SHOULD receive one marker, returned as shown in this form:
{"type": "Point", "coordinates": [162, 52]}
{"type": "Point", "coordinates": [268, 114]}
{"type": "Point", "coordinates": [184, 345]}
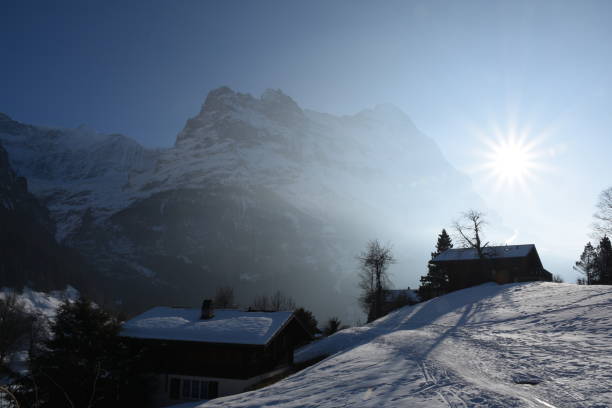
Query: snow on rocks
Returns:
{"type": "Point", "coordinates": [41, 303]}
{"type": "Point", "coordinates": [518, 345]}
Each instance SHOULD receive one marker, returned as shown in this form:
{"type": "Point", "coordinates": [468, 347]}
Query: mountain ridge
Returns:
{"type": "Point", "coordinates": [267, 185]}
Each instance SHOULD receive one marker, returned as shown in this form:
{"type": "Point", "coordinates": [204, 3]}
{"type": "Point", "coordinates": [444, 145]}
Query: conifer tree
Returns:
{"type": "Point", "coordinates": [604, 261]}
{"type": "Point", "coordinates": [307, 319]}
{"type": "Point", "coordinates": [587, 265]}
{"type": "Point", "coordinates": [84, 363]}
{"type": "Point", "coordinates": [436, 281]}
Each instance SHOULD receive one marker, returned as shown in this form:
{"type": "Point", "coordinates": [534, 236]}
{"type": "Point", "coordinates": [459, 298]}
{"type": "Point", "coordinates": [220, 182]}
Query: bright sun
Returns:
{"type": "Point", "coordinates": [511, 160]}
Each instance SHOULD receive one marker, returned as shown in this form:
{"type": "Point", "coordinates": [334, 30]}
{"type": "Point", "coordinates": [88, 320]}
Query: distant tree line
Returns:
{"type": "Point", "coordinates": [595, 263]}
{"type": "Point", "coordinates": [278, 301]}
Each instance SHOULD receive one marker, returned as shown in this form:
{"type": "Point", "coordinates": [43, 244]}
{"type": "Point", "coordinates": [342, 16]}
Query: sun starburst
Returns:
{"type": "Point", "coordinates": [512, 158]}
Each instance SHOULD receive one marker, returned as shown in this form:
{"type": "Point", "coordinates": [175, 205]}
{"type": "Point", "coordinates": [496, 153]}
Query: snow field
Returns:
{"type": "Point", "coordinates": [519, 345]}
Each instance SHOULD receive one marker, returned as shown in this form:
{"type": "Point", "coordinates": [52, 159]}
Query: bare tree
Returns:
{"type": "Point", "coordinates": [603, 216]}
{"type": "Point", "coordinates": [374, 277]}
{"type": "Point", "coordinates": [469, 231]}
{"type": "Point", "coordinates": [224, 297]}
{"type": "Point", "coordinates": [277, 302]}
{"type": "Point", "coordinates": [261, 302]}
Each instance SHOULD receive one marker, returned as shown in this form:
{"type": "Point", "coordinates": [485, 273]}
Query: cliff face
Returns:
{"type": "Point", "coordinates": [29, 254]}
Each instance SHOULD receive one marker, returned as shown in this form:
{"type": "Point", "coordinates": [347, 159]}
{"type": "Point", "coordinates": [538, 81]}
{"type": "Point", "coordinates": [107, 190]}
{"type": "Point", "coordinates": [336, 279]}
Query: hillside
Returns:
{"type": "Point", "coordinates": [518, 345]}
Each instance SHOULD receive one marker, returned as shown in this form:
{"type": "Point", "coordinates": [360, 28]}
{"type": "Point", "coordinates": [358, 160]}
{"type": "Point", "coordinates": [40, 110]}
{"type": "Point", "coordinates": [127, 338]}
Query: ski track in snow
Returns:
{"type": "Point", "coordinates": [465, 349]}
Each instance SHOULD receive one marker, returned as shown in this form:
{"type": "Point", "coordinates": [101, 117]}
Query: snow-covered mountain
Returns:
{"type": "Point", "coordinates": [256, 193]}
{"type": "Point", "coordinates": [520, 345]}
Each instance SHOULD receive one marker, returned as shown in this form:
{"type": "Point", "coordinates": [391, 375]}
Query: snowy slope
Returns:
{"type": "Point", "coordinates": [472, 348]}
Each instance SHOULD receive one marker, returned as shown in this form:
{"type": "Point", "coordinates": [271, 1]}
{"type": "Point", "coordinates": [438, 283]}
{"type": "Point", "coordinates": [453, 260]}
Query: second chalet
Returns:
{"type": "Point", "coordinates": [501, 264]}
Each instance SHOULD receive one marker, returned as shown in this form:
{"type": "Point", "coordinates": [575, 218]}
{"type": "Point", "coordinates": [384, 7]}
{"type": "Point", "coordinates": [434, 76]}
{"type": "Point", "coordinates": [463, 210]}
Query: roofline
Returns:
{"type": "Point", "coordinates": [272, 336]}
{"type": "Point", "coordinates": [533, 248]}
{"type": "Point", "coordinates": [292, 317]}
{"type": "Point", "coordinates": [216, 343]}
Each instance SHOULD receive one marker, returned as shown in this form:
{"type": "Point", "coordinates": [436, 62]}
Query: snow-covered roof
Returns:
{"type": "Point", "coordinates": [227, 325]}
{"type": "Point", "coordinates": [492, 252]}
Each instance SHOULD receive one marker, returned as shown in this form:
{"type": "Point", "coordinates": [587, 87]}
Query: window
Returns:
{"type": "Point", "coordinates": [175, 388]}
{"type": "Point", "coordinates": [213, 389]}
{"type": "Point", "coordinates": [193, 389]}
{"type": "Point", "coordinates": [186, 389]}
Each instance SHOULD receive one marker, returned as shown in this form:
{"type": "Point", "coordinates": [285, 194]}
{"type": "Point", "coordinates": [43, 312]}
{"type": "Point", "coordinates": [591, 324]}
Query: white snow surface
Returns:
{"type": "Point", "coordinates": [227, 325]}
{"type": "Point", "coordinates": [470, 348]}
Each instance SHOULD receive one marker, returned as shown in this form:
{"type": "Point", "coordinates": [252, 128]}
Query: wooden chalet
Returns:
{"type": "Point", "coordinates": [501, 264]}
{"type": "Point", "coordinates": [199, 354]}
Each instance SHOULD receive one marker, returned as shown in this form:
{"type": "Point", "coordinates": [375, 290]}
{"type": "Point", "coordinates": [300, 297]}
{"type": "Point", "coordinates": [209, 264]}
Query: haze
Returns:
{"type": "Point", "coordinates": [467, 73]}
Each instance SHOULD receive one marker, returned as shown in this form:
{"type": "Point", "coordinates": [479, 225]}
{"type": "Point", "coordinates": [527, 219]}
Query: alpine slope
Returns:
{"type": "Point", "coordinates": [532, 344]}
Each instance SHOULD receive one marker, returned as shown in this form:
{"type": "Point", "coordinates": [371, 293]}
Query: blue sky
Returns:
{"type": "Point", "coordinates": [458, 69]}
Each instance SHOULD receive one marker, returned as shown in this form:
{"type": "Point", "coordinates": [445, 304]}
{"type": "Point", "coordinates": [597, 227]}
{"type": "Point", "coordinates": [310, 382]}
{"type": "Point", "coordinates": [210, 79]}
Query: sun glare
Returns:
{"type": "Point", "coordinates": [512, 159]}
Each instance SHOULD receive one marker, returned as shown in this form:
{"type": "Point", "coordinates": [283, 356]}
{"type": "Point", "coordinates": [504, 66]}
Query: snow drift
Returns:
{"type": "Point", "coordinates": [518, 345]}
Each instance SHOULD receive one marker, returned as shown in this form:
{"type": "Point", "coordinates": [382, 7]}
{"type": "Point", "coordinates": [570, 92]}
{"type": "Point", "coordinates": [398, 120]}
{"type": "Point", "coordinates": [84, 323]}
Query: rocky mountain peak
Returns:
{"type": "Point", "coordinates": [224, 98]}
{"type": "Point", "coordinates": [224, 109]}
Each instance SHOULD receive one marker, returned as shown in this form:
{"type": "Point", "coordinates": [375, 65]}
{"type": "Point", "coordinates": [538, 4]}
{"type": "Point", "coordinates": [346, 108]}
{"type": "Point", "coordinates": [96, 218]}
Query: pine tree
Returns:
{"type": "Point", "coordinates": [84, 364]}
{"type": "Point", "coordinates": [436, 281]}
{"type": "Point", "coordinates": [587, 265]}
{"type": "Point", "coordinates": [307, 319]}
{"type": "Point", "coordinates": [333, 325]}
{"type": "Point", "coordinates": [604, 261]}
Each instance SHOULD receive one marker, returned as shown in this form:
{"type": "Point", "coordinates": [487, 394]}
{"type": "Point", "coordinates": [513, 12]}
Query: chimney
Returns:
{"type": "Point", "coordinates": [208, 310]}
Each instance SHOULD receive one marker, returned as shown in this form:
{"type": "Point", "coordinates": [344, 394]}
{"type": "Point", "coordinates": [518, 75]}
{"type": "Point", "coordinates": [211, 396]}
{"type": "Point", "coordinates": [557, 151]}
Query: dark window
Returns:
{"type": "Point", "coordinates": [175, 388]}
{"type": "Point", "coordinates": [213, 389]}
{"type": "Point", "coordinates": [195, 389]}
{"type": "Point", "coordinates": [203, 389]}
{"type": "Point", "coordinates": [186, 388]}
